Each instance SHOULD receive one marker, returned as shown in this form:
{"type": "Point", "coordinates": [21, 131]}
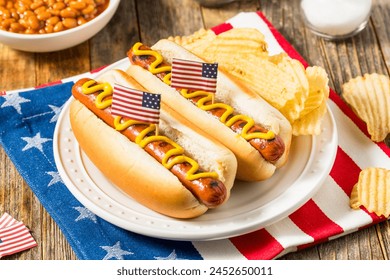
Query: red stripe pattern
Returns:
{"type": "Point", "coordinates": [49, 84]}
{"type": "Point", "coordinates": [6, 220]}
{"type": "Point", "coordinates": [258, 245]}
{"type": "Point", "coordinates": [14, 236]}
{"type": "Point", "coordinates": [345, 165]}
{"type": "Point", "coordinates": [221, 28]}
{"type": "Point", "coordinates": [311, 220]}
{"type": "Point", "coordinates": [135, 104]}
{"type": "Point", "coordinates": [194, 75]}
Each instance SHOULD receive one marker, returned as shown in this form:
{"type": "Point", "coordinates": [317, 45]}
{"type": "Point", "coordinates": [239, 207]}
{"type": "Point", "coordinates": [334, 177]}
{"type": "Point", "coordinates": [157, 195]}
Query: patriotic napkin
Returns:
{"type": "Point", "coordinates": [26, 133]}
{"type": "Point", "coordinates": [15, 237]}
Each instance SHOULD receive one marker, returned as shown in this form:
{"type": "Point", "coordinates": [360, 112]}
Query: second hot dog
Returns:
{"type": "Point", "coordinates": [258, 134]}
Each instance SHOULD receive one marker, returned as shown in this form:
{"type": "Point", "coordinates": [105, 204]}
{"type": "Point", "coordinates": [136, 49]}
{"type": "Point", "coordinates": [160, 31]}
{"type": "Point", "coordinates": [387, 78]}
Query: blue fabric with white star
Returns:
{"type": "Point", "coordinates": [27, 123]}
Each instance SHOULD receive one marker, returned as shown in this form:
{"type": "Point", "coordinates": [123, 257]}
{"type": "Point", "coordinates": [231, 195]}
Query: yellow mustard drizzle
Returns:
{"type": "Point", "coordinates": [153, 68]}
{"type": "Point", "coordinates": [91, 86]}
{"type": "Point", "coordinates": [142, 138]}
{"type": "Point", "coordinates": [207, 97]}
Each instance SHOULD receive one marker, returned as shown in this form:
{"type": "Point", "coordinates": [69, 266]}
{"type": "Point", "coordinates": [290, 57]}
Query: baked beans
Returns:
{"type": "Point", "coordinates": [47, 16]}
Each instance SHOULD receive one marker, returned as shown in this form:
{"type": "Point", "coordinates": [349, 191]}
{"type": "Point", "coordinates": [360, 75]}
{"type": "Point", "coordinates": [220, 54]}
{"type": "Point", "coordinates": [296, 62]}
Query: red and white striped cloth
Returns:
{"type": "Point", "coordinates": [327, 215]}
{"type": "Point", "coordinates": [14, 236]}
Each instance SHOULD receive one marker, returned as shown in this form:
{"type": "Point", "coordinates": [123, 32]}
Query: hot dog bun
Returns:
{"type": "Point", "coordinates": [136, 172]}
{"type": "Point", "coordinates": [251, 165]}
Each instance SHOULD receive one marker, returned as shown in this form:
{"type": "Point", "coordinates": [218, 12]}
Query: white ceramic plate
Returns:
{"type": "Point", "coordinates": [251, 206]}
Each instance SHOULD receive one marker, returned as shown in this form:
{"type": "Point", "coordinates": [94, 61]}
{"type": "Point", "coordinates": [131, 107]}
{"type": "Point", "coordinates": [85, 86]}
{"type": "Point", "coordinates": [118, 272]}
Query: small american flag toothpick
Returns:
{"type": "Point", "coordinates": [136, 104]}
{"type": "Point", "coordinates": [194, 75]}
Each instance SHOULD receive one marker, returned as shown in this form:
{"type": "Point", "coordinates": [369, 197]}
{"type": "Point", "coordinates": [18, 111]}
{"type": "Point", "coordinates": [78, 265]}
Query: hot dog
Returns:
{"type": "Point", "coordinates": [257, 133]}
{"type": "Point", "coordinates": [179, 172]}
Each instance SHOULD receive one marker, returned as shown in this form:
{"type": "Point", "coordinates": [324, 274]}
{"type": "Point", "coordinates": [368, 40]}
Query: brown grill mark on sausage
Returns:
{"type": "Point", "coordinates": [271, 150]}
{"type": "Point", "coordinates": [211, 192]}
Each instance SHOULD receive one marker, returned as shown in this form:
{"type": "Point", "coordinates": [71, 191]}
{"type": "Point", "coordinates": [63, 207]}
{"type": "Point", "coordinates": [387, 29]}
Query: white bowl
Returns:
{"type": "Point", "coordinates": [60, 40]}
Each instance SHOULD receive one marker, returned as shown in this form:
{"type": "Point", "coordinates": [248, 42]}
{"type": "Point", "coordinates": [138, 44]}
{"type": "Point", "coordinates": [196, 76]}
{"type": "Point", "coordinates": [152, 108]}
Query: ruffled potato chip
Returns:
{"type": "Point", "coordinates": [234, 42]}
{"type": "Point", "coordinates": [372, 191]}
{"type": "Point", "coordinates": [318, 89]}
{"type": "Point", "coordinates": [294, 106]}
{"type": "Point", "coordinates": [310, 124]}
{"type": "Point", "coordinates": [279, 87]}
{"type": "Point", "coordinates": [197, 41]}
{"type": "Point", "coordinates": [354, 202]}
{"type": "Point", "coordinates": [369, 98]}
{"type": "Point", "coordinates": [309, 121]}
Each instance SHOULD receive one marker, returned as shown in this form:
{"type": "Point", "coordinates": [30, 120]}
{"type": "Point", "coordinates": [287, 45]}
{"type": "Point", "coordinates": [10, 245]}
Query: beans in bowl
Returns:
{"type": "Point", "coordinates": [47, 16]}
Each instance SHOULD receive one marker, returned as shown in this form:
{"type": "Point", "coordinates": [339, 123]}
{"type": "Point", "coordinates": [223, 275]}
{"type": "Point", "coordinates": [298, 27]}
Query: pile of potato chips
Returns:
{"type": "Point", "coordinates": [299, 94]}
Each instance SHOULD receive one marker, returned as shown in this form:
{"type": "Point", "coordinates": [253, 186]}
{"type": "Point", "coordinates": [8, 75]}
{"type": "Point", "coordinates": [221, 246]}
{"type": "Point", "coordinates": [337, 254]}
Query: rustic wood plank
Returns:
{"type": "Point", "coordinates": [380, 20]}
{"type": "Point", "coordinates": [161, 19]}
{"type": "Point", "coordinates": [306, 254]}
{"type": "Point", "coordinates": [14, 196]}
{"type": "Point", "coordinates": [216, 16]}
{"type": "Point", "coordinates": [383, 230]}
{"type": "Point", "coordinates": [11, 61]}
{"type": "Point", "coordinates": [54, 66]}
{"type": "Point", "coordinates": [112, 43]}
{"type": "Point", "coordinates": [353, 57]}
{"type": "Point", "coordinates": [375, 238]}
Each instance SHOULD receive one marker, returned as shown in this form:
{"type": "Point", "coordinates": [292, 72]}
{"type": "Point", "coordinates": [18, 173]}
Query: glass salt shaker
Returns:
{"type": "Point", "coordinates": [336, 19]}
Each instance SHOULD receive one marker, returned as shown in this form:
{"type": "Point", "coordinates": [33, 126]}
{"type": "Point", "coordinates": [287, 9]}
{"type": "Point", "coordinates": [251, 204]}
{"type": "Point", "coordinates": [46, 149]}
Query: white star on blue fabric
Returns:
{"type": "Point", "coordinates": [55, 177]}
{"type": "Point", "coordinates": [172, 256]}
{"type": "Point", "coordinates": [85, 214]}
{"type": "Point", "coordinates": [115, 252]}
{"type": "Point", "coordinates": [56, 110]}
{"type": "Point", "coordinates": [35, 142]}
{"type": "Point", "coordinates": [14, 100]}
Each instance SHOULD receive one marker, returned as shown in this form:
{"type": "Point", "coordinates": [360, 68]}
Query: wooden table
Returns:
{"type": "Point", "coordinates": [149, 20]}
